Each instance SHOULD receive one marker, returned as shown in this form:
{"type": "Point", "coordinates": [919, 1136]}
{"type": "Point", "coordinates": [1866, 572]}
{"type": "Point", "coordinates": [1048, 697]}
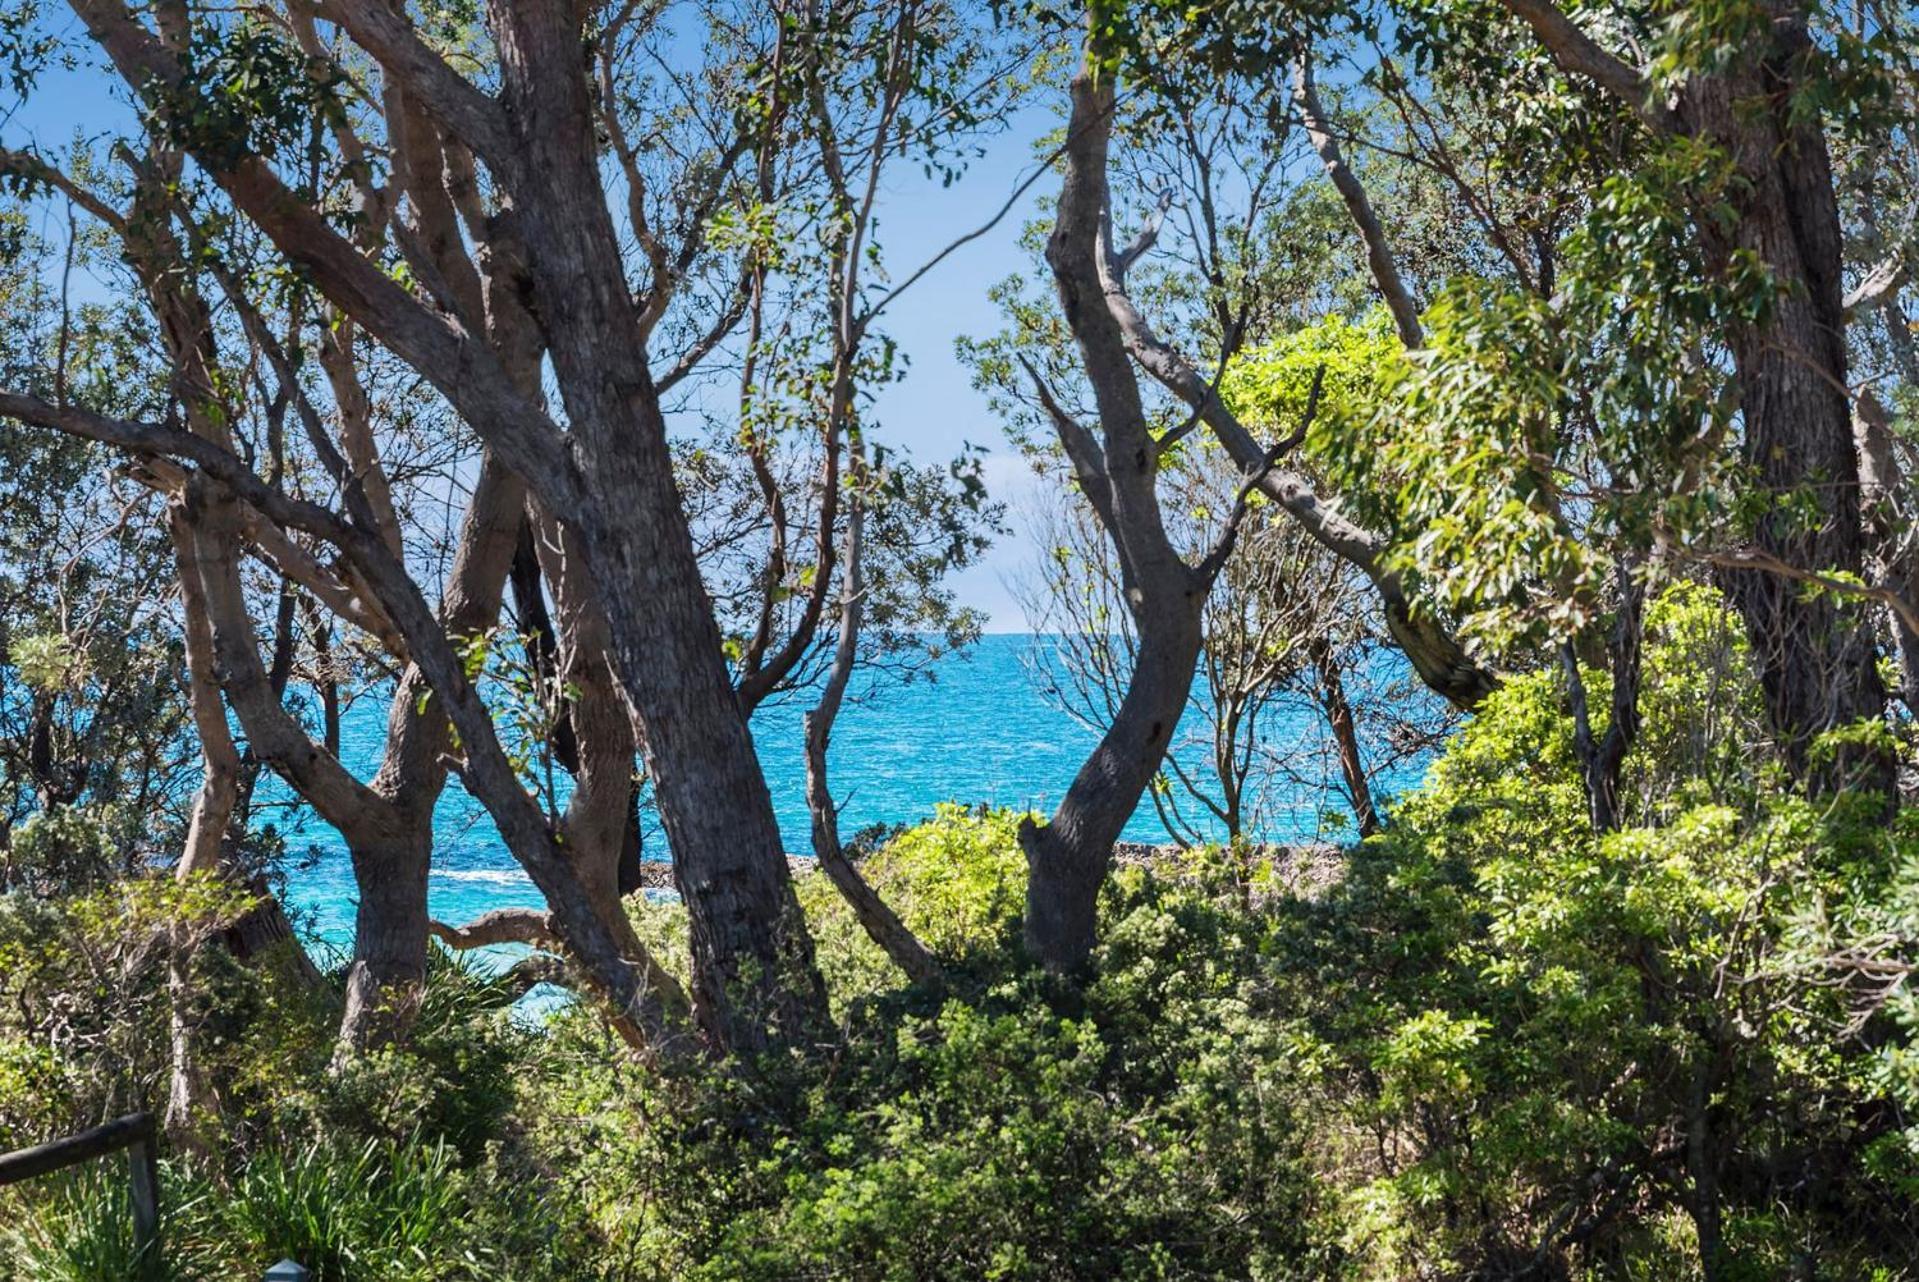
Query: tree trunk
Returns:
{"type": "Point", "coordinates": [1068, 856]}
{"type": "Point", "coordinates": [391, 869]}
{"type": "Point", "coordinates": [876, 917]}
{"type": "Point", "coordinates": [1339, 716]}
{"type": "Point", "coordinates": [542, 641]}
{"type": "Point", "coordinates": [192, 1108]}
{"type": "Point", "coordinates": [1815, 654]}
{"type": "Point", "coordinates": [1601, 758]}
{"type": "Point", "coordinates": [388, 971]}
{"type": "Point", "coordinates": [1702, 1170]}
{"type": "Point", "coordinates": [601, 819]}
{"type": "Point", "coordinates": [264, 935]}
{"type": "Point", "coordinates": [754, 976]}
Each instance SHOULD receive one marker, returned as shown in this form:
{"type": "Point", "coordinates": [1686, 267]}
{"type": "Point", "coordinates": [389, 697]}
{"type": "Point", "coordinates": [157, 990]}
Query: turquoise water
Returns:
{"type": "Point", "coordinates": [975, 729]}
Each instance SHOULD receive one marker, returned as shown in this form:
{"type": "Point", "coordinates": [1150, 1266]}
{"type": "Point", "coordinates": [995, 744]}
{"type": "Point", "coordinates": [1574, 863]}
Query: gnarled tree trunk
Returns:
{"type": "Point", "coordinates": [1067, 857]}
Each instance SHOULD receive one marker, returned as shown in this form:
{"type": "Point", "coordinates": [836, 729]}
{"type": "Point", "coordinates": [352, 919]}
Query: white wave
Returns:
{"type": "Point", "coordinates": [492, 876]}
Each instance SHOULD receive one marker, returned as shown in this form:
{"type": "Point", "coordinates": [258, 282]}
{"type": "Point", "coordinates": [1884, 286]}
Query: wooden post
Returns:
{"type": "Point", "coordinates": [137, 1135]}
{"type": "Point", "coordinates": [144, 1173]}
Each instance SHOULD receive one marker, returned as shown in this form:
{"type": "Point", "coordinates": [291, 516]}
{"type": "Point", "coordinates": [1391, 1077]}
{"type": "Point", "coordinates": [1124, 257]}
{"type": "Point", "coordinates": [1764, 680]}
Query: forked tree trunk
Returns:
{"type": "Point", "coordinates": [611, 475]}
{"type": "Point", "coordinates": [388, 971]}
{"type": "Point", "coordinates": [1067, 857]}
{"type": "Point", "coordinates": [391, 868]}
{"type": "Point", "coordinates": [754, 976]}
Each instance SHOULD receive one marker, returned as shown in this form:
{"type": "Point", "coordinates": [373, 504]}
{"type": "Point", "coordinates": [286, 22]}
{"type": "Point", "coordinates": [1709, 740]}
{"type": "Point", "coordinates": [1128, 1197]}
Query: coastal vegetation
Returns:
{"type": "Point", "coordinates": [1510, 396]}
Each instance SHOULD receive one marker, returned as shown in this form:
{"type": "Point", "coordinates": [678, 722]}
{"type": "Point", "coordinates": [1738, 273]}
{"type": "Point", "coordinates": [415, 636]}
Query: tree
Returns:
{"type": "Point", "coordinates": [1117, 467]}
{"type": "Point", "coordinates": [1284, 631]}
{"type": "Point", "coordinates": [418, 227]}
{"type": "Point", "coordinates": [1726, 165]}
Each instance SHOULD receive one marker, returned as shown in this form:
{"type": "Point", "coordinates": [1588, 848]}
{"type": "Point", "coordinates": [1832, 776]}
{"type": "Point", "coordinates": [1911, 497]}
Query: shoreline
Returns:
{"type": "Point", "coordinates": [1305, 867]}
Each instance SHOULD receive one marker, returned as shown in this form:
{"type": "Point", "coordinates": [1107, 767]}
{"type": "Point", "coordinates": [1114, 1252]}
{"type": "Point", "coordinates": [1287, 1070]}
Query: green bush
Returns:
{"type": "Point", "coordinates": [347, 1212]}
{"type": "Point", "coordinates": [1548, 1044]}
{"type": "Point", "coordinates": [958, 882]}
{"type": "Point", "coordinates": [453, 1080]}
{"type": "Point", "coordinates": [1141, 1128]}
{"type": "Point", "coordinates": [1496, 1045]}
{"type": "Point", "coordinates": [81, 1230]}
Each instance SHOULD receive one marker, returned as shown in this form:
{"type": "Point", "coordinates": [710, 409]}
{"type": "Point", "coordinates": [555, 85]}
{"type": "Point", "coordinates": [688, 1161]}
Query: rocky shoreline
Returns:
{"type": "Point", "coordinates": [1304, 868]}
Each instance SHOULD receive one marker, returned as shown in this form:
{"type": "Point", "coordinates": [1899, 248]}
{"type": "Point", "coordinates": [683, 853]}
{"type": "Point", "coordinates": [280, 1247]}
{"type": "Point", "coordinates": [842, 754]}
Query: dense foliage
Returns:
{"type": "Point", "coordinates": [1516, 394]}
{"type": "Point", "coordinates": [1488, 1042]}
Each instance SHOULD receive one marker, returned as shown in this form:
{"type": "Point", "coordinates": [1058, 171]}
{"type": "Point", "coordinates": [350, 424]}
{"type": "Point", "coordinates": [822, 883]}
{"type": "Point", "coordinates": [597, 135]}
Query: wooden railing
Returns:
{"type": "Point", "coordinates": [135, 1134]}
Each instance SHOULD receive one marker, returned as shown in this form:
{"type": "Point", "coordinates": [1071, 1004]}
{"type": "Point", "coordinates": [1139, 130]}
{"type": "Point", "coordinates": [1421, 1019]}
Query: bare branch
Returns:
{"type": "Point", "coordinates": [876, 917]}
{"type": "Point", "coordinates": [1379, 252]}
{"type": "Point", "coordinates": [32, 168]}
{"type": "Point", "coordinates": [1025, 185]}
{"type": "Point", "coordinates": [1081, 446]}
{"type": "Point", "coordinates": [1753, 557]}
{"type": "Point", "coordinates": [1879, 284]}
{"type": "Point", "coordinates": [1147, 236]}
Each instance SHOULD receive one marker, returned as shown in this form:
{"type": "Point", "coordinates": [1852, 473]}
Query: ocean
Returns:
{"type": "Point", "coordinates": [976, 727]}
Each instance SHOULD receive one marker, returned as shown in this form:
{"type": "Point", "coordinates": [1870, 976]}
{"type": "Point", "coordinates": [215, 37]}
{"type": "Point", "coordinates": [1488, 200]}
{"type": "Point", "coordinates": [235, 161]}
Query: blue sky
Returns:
{"type": "Point", "coordinates": [936, 406]}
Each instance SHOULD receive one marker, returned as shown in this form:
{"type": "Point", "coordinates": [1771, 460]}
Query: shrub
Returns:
{"type": "Point", "coordinates": [372, 1211]}
{"type": "Point", "coordinates": [80, 1230]}
{"type": "Point", "coordinates": [1497, 1044]}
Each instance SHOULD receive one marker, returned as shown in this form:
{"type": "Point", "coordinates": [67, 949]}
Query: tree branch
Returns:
{"type": "Point", "coordinates": [1222, 550]}
{"type": "Point", "coordinates": [1379, 252]}
{"type": "Point", "coordinates": [500, 926]}
{"type": "Point", "coordinates": [1579, 53]}
{"type": "Point", "coordinates": [459, 364]}
{"type": "Point", "coordinates": [381, 28]}
{"type": "Point", "coordinates": [882, 925]}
